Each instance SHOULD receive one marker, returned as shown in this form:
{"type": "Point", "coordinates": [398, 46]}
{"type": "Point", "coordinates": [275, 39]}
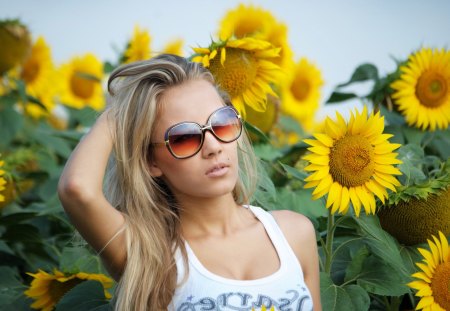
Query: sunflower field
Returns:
{"type": "Point", "coordinates": [375, 183]}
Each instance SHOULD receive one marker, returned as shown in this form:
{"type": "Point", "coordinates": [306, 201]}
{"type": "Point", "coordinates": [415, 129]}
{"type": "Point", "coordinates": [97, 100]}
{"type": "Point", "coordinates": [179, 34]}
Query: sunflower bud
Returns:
{"type": "Point", "coordinates": [15, 41]}
{"type": "Point", "coordinates": [416, 220]}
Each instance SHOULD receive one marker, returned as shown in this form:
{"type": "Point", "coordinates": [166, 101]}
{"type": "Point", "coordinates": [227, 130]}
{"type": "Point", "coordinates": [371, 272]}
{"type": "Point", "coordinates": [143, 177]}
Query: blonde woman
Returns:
{"type": "Point", "coordinates": [173, 224]}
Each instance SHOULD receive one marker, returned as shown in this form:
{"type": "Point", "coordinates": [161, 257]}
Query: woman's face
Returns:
{"type": "Point", "coordinates": [213, 171]}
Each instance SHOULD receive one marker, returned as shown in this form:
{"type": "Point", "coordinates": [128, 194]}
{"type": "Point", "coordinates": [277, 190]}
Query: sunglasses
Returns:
{"type": "Point", "coordinates": [185, 139]}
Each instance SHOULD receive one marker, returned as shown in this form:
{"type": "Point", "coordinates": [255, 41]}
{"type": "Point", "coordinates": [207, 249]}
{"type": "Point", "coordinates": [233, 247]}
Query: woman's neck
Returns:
{"type": "Point", "coordinates": [218, 216]}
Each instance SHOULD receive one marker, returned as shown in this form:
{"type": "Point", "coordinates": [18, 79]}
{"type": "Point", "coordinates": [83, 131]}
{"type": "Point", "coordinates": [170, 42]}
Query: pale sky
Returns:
{"type": "Point", "coordinates": [335, 35]}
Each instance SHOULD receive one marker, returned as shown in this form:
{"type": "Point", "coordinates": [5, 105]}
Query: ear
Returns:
{"type": "Point", "coordinates": [154, 170]}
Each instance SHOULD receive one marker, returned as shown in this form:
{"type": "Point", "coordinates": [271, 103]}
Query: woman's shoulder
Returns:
{"type": "Point", "coordinates": [295, 226]}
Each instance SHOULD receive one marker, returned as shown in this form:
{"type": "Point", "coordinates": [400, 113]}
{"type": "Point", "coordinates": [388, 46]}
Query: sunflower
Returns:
{"type": "Point", "coordinates": [138, 47]}
{"type": "Point", "coordinates": [251, 21]}
{"type": "Point", "coordinates": [352, 163]}
{"type": "Point", "coordinates": [2, 182]}
{"type": "Point", "coordinates": [301, 92]}
{"type": "Point", "coordinates": [174, 47]}
{"type": "Point", "coordinates": [47, 289]}
{"type": "Point", "coordinates": [38, 74]}
{"type": "Point", "coordinates": [244, 68]}
{"type": "Point", "coordinates": [81, 83]}
{"type": "Point", "coordinates": [422, 92]}
{"type": "Point", "coordinates": [433, 282]}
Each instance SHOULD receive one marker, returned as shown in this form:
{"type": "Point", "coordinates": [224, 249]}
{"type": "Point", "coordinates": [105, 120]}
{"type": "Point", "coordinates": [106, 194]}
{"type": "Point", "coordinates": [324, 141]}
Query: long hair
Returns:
{"type": "Point", "coordinates": [152, 232]}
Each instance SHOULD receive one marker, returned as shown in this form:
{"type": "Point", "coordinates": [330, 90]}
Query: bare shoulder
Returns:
{"type": "Point", "coordinates": [293, 223]}
{"type": "Point", "coordinates": [298, 230]}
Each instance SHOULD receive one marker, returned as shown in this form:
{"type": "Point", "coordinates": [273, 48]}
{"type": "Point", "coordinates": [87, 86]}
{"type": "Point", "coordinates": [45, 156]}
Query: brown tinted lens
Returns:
{"type": "Point", "coordinates": [226, 125]}
{"type": "Point", "coordinates": [185, 139]}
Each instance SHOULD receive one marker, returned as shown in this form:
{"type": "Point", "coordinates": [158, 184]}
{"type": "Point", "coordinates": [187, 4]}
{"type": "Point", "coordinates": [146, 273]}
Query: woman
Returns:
{"type": "Point", "coordinates": [174, 227]}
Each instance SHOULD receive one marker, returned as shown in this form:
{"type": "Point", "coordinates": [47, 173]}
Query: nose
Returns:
{"type": "Point", "coordinates": [211, 145]}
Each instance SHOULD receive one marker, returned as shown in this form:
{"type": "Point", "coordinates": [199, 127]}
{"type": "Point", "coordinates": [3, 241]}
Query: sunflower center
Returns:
{"type": "Point", "coordinates": [57, 289]}
{"type": "Point", "coordinates": [351, 161]}
{"type": "Point", "coordinates": [440, 285]}
{"type": "Point", "coordinates": [30, 71]}
{"type": "Point", "coordinates": [82, 87]}
{"type": "Point", "coordinates": [237, 73]}
{"type": "Point", "coordinates": [431, 89]}
{"type": "Point", "coordinates": [300, 88]}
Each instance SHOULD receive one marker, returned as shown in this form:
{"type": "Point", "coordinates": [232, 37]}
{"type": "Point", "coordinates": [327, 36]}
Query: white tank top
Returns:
{"type": "Point", "coordinates": [284, 290]}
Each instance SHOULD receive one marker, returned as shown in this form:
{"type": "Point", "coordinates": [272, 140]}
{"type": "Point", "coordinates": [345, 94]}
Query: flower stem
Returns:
{"type": "Point", "coordinates": [329, 242]}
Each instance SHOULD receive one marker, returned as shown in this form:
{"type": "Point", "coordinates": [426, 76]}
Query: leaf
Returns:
{"type": "Point", "coordinates": [86, 296]}
{"type": "Point", "coordinates": [260, 135]}
{"type": "Point", "coordinates": [363, 72]}
{"type": "Point", "coordinates": [337, 97]}
{"type": "Point", "coordinates": [11, 122]}
{"type": "Point", "coordinates": [267, 152]}
{"type": "Point", "coordinates": [392, 118]}
{"type": "Point", "coordinates": [295, 173]}
{"type": "Point", "coordinates": [413, 135]}
{"type": "Point", "coordinates": [381, 243]}
{"type": "Point", "coordinates": [356, 265]}
{"type": "Point", "coordinates": [300, 201]}
{"type": "Point", "coordinates": [76, 259]}
{"type": "Point", "coordinates": [10, 286]}
{"type": "Point", "coordinates": [346, 298]}
{"type": "Point", "coordinates": [378, 277]}
{"type": "Point", "coordinates": [412, 157]}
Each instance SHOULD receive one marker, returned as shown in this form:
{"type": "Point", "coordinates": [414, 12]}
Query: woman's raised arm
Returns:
{"type": "Point", "coordinates": [81, 193]}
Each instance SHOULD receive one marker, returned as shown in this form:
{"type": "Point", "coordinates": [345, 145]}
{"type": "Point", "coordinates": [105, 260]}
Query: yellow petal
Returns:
{"type": "Point", "coordinates": [345, 199]}
{"type": "Point", "coordinates": [425, 302]}
{"type": "Point", "coordinates": [324, 139]}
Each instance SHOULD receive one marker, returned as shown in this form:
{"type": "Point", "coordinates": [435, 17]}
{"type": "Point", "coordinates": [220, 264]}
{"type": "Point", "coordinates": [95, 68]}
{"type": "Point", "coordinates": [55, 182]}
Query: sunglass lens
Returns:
{"type": "Point", "coordinates": [185, 139]}
{"type": "Point", "coordinates": [226, 125]}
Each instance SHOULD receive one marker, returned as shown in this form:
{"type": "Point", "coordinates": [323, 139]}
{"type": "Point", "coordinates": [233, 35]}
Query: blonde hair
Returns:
{"type": "Point", "coordinates": [149, 279]}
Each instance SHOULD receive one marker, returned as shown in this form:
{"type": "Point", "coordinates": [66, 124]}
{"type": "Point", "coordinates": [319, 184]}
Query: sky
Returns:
{"type": "Point", "coordinates": [336, 35]}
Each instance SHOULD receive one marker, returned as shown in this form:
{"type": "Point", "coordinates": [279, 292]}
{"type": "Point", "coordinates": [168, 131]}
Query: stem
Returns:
{"type": "Point", "coordinates": [329, 242]}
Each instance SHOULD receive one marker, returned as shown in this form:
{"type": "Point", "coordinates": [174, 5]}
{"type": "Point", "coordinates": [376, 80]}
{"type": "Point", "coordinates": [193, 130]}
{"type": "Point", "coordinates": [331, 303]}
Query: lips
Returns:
{"type": "Point", "coordinates": [217, 170]}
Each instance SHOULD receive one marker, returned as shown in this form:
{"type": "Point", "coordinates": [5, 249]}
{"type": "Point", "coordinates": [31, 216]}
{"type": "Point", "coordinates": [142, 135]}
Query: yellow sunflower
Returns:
{"type": "Point", "coordinates": [38, 74]}
{"type": "Point", "coordinates": [422, 92]}
{"type": "Point", "coordinates": [244, 68]}
{"type": "Point", "coordinates": [139, 46]}
{"type": "Point", "coordinates": [433, 282]}
{"type": "Point", "coordinates": [352, 163]}
{"type": "Point", "coordinates": [174, 47]}
{"type": "Point", "coordinates": [264, 308]}
{"type": "Point", "coordinates": [2, 182]}
{"type": "Point", "coordinates": [81, 83]}
{"type": "Point", "coordinates": [251, 21]}
{"type": "Point", "coordinates": [47, 289]}
{"type": "Point", "coordinates": [300, 92]}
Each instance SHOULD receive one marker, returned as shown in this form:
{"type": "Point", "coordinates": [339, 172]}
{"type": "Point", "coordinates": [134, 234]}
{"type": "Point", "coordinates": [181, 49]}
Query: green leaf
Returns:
{"type": "Point", "coordinates": [48, 138]}
{"type": "Point", "coordinates": [413, 135]}
{"type": "Point", "coordinates": [360, 298]}
{"type": "Point", "coordinates": [10, 123]}
{"type": "Point", "coordinates": [392, 118]}
{"type": "Point", "coordinates": [260, 135]}
{"type": "Point", "coordinates": [381, 243]}
{"type": "Point", "coordinates": [79, 259]}
{"type": "Point", "coordinates": [378, 277]}
{"type": "Point", "coordinates": [295, 173]}
{"type": "Point", "coordinates": [300, 201]}
{"type": "Point", "coordinates": [267, 152]}
{"type": "Point", "coordinates": [412, 157]}
{"type": "Point", "coordinates": [337, 97]}
{"type": "Point", "coordinates": [356, 265]}
{"type": "Point", "coordinates": [346, 298]}
{"type": "Point", "coordinates": [10, 286]}
{"type": "Point", "coordinates": [86, 296]}
{"type": "Point", "coordinates": [363, 72]}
